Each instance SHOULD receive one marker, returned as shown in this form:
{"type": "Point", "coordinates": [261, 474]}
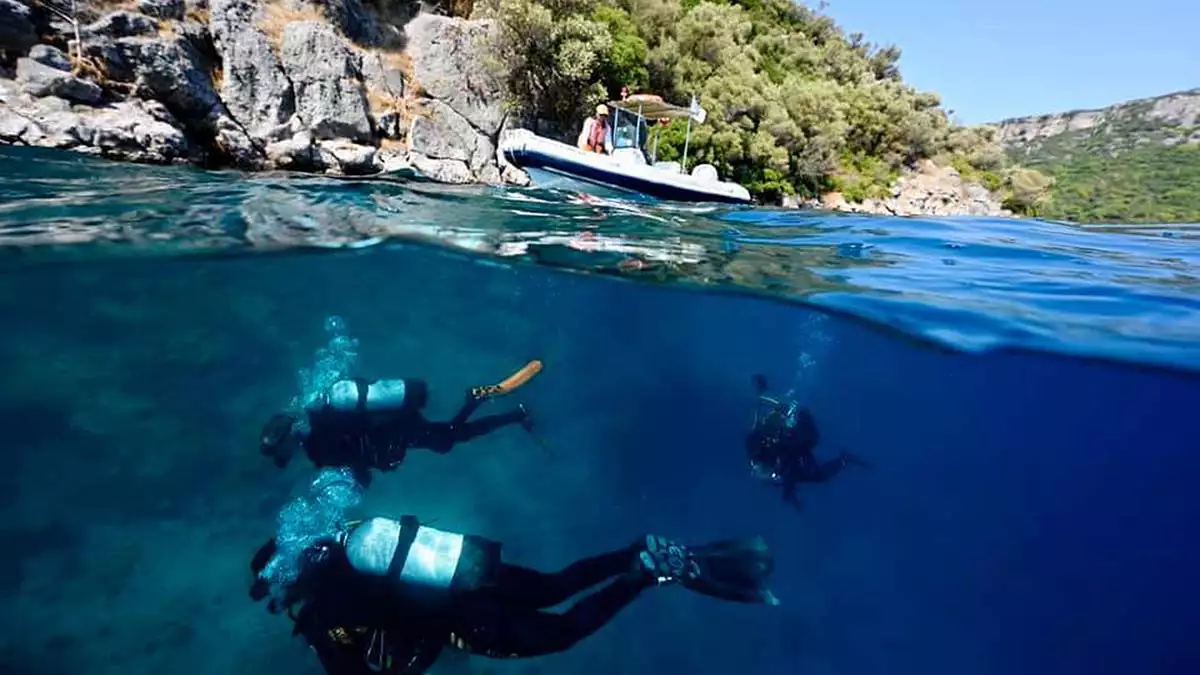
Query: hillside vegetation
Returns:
{"type": "Point", "coordinates": [796, 105]}
{"type": "Point", "coordinates": [1133, 162]}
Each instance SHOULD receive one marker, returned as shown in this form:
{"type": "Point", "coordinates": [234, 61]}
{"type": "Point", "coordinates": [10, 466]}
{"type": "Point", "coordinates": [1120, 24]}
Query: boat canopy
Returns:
{"type": "Point", "coordinates": [651, 107]}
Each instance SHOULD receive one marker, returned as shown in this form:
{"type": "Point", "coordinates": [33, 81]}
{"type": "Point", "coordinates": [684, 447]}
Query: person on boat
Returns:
{"type": "Point", "coordinates": [371, 424]}
{"type": "Point", "coordinates": [387, 595]}
{"type": "Point", "coordinates": [596, 135]}
{"type": "Point", "coordinates": [781, 444]}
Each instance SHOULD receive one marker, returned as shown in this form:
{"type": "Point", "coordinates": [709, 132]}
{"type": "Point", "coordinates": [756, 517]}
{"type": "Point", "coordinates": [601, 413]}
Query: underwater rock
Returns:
{"type": "Point", "coordinates": [37, 79]}
{"type": "Point", "coordinates": [327, 79]}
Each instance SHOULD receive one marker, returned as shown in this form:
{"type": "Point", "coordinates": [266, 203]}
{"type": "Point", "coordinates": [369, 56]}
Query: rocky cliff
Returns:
{"type": "Point", "coordinates": [1169, 120]}
{"type": "Point", "coordinates": [309, 85]}
{"type": "Point", "coordinates": [924, 190]}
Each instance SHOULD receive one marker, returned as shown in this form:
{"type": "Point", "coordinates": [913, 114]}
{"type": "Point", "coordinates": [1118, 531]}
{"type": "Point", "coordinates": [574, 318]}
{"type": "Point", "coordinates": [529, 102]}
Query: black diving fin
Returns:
{"type": "Point", "coordinates": [732, 569]}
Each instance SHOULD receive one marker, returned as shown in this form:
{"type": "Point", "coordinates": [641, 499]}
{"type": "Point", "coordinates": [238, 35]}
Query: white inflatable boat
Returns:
{"type": "Point", "coordinates": [627, 168]}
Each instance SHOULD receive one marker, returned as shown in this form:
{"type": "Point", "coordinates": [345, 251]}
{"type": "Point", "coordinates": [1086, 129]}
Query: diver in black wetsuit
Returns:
{"type": "Point", "coordinates": [387, 596]}
{"type": "Point", "coordinates": [371, 424]}
{"type": "Point", "coordinates": [781, 444]}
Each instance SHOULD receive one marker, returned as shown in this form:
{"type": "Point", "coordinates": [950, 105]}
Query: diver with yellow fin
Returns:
{"type": "Point", "coordinates": [389, 595]}
{"type": "Point", "coordinates": [370, 424]}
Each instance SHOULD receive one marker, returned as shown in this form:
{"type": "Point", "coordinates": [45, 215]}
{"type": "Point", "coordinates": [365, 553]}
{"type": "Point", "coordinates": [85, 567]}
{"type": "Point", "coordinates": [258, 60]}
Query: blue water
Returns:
{"type": "Point", "coordinates": [1026, 391]}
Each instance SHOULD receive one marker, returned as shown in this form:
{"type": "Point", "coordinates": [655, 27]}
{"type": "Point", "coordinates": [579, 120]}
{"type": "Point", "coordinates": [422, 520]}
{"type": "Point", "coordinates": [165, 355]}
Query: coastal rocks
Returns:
{"type": "Point", "coordinates": [37, 79]}
{"type": "Point", "coordinates": [327, 80]}
{"type": "Point", "coordinates": [172, 71]}
{"type": "Point", "coordinates": [248, 83]}
{"type": "Point", "coordinates": [302, 152]}
{"type": "Point", "coordinates": [48, 55]}
{"type": "Point", "coordinates": [929, 190]}
{"type": "Point", "coordinates": [163, 9]}
{"type": "Point", "coordinates": [448, 63]}
{"type": "Point", "coordinates": [121, 24]}
{"type": "Point", "coordinates": [16, 26]}
{"type": "Point", "coordinates": [254, 87]}
{"type": "Point", "coordinates": [441, 133]}
{"type": "Point", "coordinates": [454, 137]}
{"type": "Point", "coordinates": [138, 131]}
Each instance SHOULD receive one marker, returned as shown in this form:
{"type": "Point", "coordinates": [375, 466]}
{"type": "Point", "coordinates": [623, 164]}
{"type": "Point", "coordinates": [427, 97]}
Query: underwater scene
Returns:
{"type": "Point", "coordinates": [1002, 456]}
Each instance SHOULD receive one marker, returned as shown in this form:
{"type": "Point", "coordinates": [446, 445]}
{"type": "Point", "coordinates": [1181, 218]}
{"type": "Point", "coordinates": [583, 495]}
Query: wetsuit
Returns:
{"type": "Point", "coordinates": [369, 424]}
{"type": "Point", "coordinates": [783, 453]}
{"type": "Point", "coordinates": [399, 593]}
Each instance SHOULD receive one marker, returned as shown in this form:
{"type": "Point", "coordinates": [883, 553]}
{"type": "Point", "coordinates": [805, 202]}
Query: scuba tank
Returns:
{"type": "Point", "coordinates": [415, 557]}
{"type": "Point", "coordinates": [359, 396]}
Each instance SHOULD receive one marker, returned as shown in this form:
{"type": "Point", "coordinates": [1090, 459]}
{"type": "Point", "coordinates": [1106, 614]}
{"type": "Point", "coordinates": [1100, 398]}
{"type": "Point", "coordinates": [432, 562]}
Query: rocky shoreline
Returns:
{"type": "Point", "coordinates": [303, 85]}
{"type": "Point", "coordinates": [254, 84]}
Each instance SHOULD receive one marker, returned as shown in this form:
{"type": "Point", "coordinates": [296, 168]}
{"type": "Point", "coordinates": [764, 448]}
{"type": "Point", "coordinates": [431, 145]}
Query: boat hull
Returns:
{"type": "Point", "coordinates": [550, 162]}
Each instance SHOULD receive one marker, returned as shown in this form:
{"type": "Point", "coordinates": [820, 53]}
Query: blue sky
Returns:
{"type": "Point", "coordinates": [992, 59]}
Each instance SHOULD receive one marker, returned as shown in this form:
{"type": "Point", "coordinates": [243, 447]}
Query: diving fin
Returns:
{"type": "Point", "coordinates": [510, 383]}
{"type": "Point", "coordinates": [733, 569]}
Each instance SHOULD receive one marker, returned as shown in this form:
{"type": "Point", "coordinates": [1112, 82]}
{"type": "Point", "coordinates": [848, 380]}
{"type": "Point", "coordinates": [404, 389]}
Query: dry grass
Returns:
{"type": "Point", "coordinates": [197, 14]}
{"type": "Point", "coordinates": [276, 17]}
{"type": "Point", "coordinates": [217, 75]}
{"type": "Point", "coordinates": [398, 146]}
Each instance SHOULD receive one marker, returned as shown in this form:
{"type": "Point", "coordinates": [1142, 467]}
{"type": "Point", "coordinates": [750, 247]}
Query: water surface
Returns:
{"type": "Point", "coordinates": [1031, 510]}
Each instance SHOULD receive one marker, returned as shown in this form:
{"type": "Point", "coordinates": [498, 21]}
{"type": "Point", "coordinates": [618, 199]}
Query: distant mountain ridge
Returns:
{"type": "Point", "coordinates": [1168, 120]}
{"type": "Point", "coordinates": [1136, 161]}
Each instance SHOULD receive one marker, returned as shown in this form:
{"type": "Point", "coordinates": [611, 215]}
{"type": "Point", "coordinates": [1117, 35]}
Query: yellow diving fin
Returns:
{"type": "Point", "coordinates": [511, 383]}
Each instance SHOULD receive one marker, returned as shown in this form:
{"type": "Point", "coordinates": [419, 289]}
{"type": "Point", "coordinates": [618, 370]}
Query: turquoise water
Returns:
{"type": "Point", "coordinates": [1025, 390]}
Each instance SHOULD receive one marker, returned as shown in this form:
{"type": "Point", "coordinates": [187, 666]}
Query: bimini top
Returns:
{"type": "Point", "coordinates": [652, 107]}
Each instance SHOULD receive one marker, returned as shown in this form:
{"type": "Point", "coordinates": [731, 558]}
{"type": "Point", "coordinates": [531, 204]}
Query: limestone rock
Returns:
{"type": "Point", "coordinates": [121, 24]}
{"type": "Point", "coordinates": [162, 9]}
{"type": "Point", "coordinates": [51, 56]}
{"type": "Point", "coordinates": [326, 76]}
{"type": "Point", "coordinates": [298, 153]}
{"type": "Point", "coordinates": [350, 158]}
{"type": "Point", "coordinates": [448, 64]}
{"type": "Point", "coordinates": [441, 170]}
{"type": "Point", "coordinates": [348, 16]}
{"type": "Point", "coordinates": [255, 88]}
{"type": "Point", "coordinates": [16, 26]}
{"type": "Point", "coordinates": [379, 76]}
{"type": "Point", "coordinates": [170, 70]}
{"type": "Point", "coordinates": [37, 79]}
{"type": "Point", "coordinates": [927, 191]}
{"type": "Point", "coordinates": [441, 133]}
{"type": "Point", "coordinates": [140, 131]}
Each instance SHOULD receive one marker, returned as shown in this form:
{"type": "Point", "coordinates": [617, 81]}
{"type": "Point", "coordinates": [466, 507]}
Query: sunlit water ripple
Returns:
{"type": "Point", "coordinates": [967, 283]}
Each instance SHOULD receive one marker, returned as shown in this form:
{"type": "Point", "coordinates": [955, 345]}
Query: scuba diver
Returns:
{"type": "Point", "coordinates": [781, 442]}
{"type": "Point", "coordinates": [389, 595]}
{"type": "Point", "coordinates": [371, 424]}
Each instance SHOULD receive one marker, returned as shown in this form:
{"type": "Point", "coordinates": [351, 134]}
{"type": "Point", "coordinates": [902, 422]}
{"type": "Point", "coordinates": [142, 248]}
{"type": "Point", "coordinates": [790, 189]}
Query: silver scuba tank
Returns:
{"type": "Point", "coordinates": [380, 396]}
{"type": "Point", "coordinates": [428, 557]}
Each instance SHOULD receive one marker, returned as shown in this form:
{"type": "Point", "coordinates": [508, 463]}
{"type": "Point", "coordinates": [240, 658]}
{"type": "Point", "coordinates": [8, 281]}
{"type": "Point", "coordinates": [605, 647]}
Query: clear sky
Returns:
{"type": "Point", "coordinates": [993, 59]}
